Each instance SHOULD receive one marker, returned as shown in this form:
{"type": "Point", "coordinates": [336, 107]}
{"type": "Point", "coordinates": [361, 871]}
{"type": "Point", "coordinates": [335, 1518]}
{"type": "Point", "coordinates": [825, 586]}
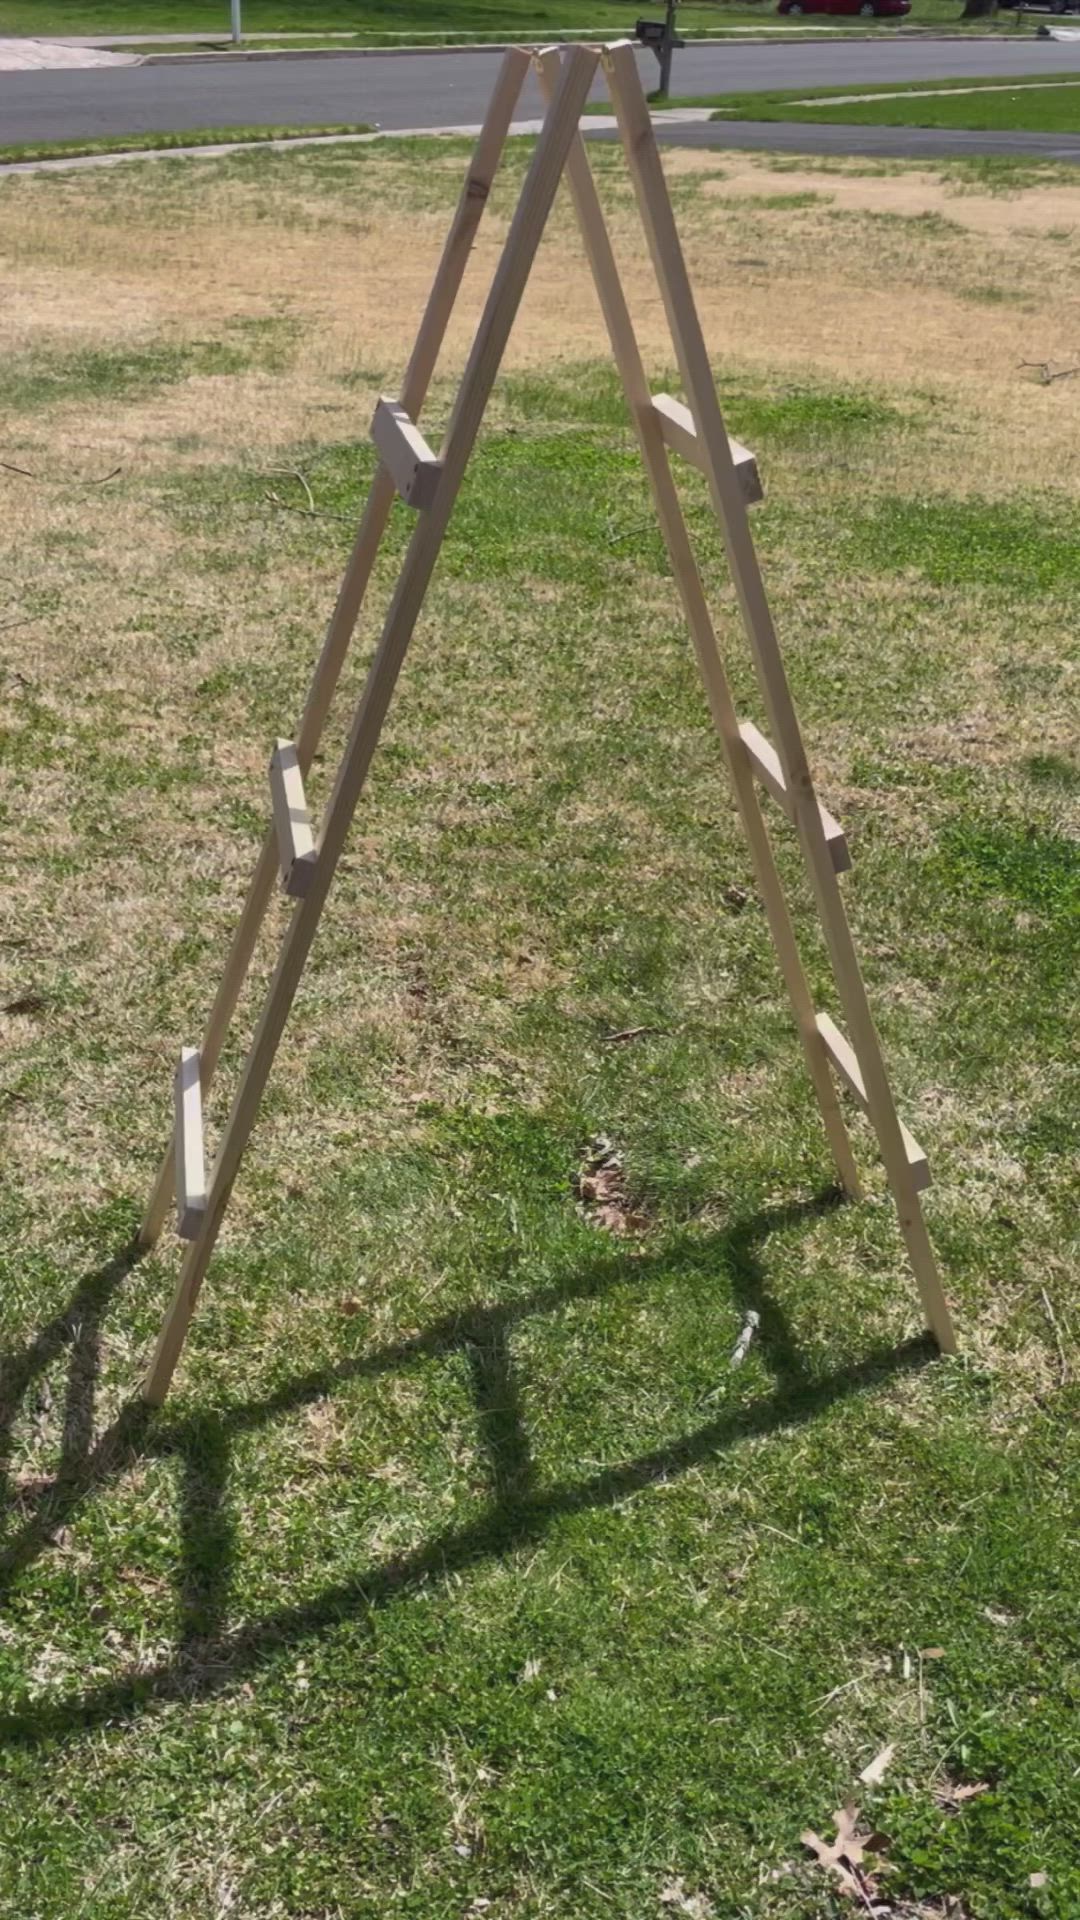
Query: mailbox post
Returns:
{"type": "Point", "coordinates": [661, 36]}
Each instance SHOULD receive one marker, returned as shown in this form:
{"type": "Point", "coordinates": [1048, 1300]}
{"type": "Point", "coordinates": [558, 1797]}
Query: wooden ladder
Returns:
{"type": "Point", "coordinates": [306, 861]}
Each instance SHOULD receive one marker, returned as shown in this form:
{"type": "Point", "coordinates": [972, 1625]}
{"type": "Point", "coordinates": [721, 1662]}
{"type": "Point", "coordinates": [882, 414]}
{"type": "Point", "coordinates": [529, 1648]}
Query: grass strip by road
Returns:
{"type": "Point", "coordinates": [375, 21]}
{"type": "Point", "coordinates": [1022, 106]}
{"type": "Point", "coordinates": [168, 142]}
{"type": "Point", "coordinates": [483, 18]}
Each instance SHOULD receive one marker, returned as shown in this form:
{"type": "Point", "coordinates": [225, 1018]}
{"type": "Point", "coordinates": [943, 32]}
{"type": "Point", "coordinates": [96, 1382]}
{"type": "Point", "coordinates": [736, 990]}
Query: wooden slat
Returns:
{"type": "Point", "coordinates": [190, 1158]}
{"type": "Point", "coordinates": [677, 427]}
{"type": "Point", "coordinates": [405, 453]}
{"type": "Point", "coordinates": [766, 764]}
{"type": "Point", "coordinates": [296, 841]}
{"type": "Point", "coordinates": [500, 309]}
{"type": "Point", "coordinates": [445, 287]}
{"type": "Point", "coordinates": [842, 1055]}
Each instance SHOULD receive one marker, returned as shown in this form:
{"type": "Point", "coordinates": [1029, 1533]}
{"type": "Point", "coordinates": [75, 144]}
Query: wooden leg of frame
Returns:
{"type": "Point", "coordinates": [643, 159]}
{"type": "Point", "coordinates": [496, 321]}
{"type": "Point", "coordinates": [923, 1264]}
{"type": "Point", "coordinates": [699, 620]}
{"type": "Point", "coordinates": [447, 282]}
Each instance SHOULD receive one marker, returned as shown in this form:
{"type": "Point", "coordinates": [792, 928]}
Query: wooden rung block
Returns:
{"type": "Point", "coordinates": [405, 454]}
{"type": "Point", "coordinates": [766, 764]}
{"type": "Point", "coordinates": [296, 841]}
{"type": "Point", "coordinates": [680, 434]}
{"type": "Point", "coordinates": [842, 1055]}
{"type": "Point", "coordinates": [188, 1139]}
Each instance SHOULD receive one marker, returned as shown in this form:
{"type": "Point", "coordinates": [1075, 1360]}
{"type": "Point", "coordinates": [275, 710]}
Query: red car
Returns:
{"type": "Point", "coordinates": [866, 8]}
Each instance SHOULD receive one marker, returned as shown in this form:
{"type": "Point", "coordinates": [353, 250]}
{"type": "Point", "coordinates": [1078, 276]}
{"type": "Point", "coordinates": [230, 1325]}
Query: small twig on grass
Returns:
{"type": "Point", "coordinates": [628, 1033]}
{"type": "Point", "coordinates": [1052, 1317]}
{"type": "Point", "coordinates": [50, 482]}
{"type": "Point", "coordinates": [24, 621]}
{"type": "Point", "coordinates": [295, 474]}
{"type": "Point", "coordinates": [307, 513]}
{"type": "Point", "coordinates": [1049, 372]}
{"type": "Point", "coordinates": [845, 1687]}
{"type": "Point", "coordinates": [629, 533]}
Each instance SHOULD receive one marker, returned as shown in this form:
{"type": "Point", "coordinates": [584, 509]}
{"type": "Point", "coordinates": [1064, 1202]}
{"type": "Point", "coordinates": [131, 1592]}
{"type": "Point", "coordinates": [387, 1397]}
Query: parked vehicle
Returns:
{"type": "Point", "coordinates": [866, 9]}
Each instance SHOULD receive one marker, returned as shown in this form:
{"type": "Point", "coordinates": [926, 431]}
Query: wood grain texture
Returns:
{"type": "Point", "coordinates": [680, 435]}
{"type": "Point", "coordinates": [766, 764]}
{"type": "Point", "coordinates": [405, 453]}
{"type": "Point", "coordinates": [842, 1055]}
{"type": "Point", "coordinates": [296, 841]}
{"type": "Point", "coordinates": [190, 1154]}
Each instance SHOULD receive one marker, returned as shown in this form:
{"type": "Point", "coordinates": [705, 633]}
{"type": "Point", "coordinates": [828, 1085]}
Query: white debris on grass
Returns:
{"type": "Point", "coordinates": [742, 1345]}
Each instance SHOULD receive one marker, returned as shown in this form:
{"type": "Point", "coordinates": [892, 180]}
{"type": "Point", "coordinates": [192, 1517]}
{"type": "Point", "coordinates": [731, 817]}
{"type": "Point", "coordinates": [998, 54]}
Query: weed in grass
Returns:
{"type": "Point", "coordinates": [993, 296]}
{"type": "Point", "coordinates": [777, 202]}
{"type": "Point", "coordinates": [975, 543]}
{"type": "Point", "coordinates": [929, 225]}
{"type": "Point", "coordinates": [1023, 865]}
{"type": "Point", "coordinates": [801, 417]}
{"type": "Point", "coordinates": [1054, 770]}
{"type": "Point", "coordinates": [44, 378]}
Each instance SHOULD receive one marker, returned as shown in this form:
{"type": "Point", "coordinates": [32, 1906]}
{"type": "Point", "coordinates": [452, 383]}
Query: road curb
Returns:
{"type": "Point", "coordinates": [798, 38]}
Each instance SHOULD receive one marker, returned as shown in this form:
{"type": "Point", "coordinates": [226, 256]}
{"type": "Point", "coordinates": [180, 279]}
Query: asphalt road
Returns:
{"type": "Point", "coordinates": [448, 89]}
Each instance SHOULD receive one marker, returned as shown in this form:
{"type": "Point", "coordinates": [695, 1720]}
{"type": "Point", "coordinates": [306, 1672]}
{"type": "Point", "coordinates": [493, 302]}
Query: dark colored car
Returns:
{"type": "Point", "coordinates": [865, 8]}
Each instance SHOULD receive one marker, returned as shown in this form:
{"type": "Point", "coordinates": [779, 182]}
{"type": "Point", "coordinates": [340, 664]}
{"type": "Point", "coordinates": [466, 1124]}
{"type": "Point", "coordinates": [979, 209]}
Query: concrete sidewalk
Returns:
{"type": "Point", "coordinates": [53, 56]}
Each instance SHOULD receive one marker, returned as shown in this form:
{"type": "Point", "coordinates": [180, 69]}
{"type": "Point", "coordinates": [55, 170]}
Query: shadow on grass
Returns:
{"type": "Point", "coordinates": [209, 1658]}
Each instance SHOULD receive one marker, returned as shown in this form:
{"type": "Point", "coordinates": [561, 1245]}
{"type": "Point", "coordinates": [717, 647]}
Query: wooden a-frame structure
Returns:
{"type": "Point", "coordinates": [306, 862]}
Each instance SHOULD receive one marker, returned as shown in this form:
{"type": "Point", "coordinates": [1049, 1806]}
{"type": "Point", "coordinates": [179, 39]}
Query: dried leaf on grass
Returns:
{"type": "Point", "coordinates": [846, 1855]}
{"type": "Point", "coordinates": [953, 1793]}
{"type": "Point", "coordinates": [602, 1190]}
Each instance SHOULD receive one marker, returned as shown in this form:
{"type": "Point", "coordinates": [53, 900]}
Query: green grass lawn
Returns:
{"type": "Point", "coordinates": [1030, 106]}
{"type": "Point", "coordinates": [493, 17]}
{"type": "Point", "coordinates": [462, 1575]}
{"type": "Point", "coordinates": [384, 18]}
{"type": "Point", "coordinates": [165, 142]}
